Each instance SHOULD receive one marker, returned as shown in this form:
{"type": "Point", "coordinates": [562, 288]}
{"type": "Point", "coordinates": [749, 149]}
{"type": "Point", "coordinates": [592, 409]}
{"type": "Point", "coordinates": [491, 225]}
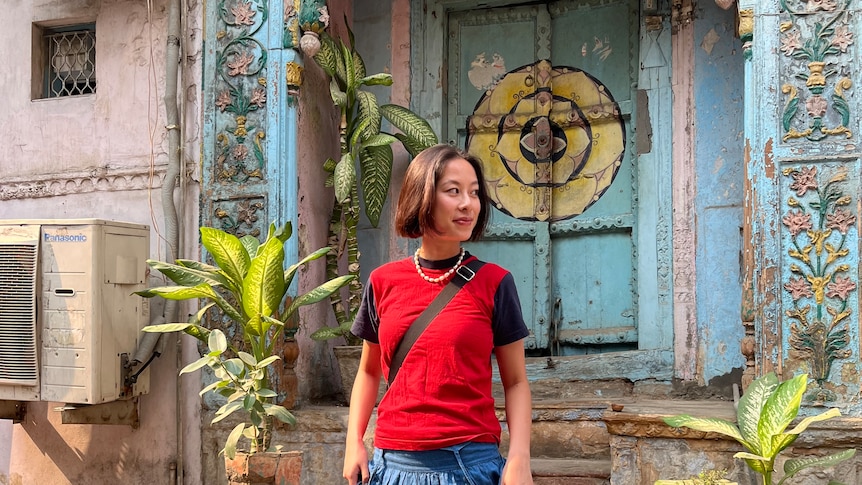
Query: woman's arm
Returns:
{"type": "Point", "coordinates": [363, 397]}
{"type": "Point", "coordinates": [519, 410]}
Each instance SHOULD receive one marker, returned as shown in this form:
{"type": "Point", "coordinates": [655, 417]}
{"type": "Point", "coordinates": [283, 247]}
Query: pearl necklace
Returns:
{"type": "Point", "coordinates": [441, 277]}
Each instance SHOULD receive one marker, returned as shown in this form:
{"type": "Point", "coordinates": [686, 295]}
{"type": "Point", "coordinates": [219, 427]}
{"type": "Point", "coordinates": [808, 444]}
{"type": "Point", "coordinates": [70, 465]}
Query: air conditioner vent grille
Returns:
{"type": "Point", "coordinates": [18, 265]}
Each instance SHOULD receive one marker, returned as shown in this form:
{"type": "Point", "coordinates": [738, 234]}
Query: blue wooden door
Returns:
{"type": "Point", "coordinates": [543, 94]}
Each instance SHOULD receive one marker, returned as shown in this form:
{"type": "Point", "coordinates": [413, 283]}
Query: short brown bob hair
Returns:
{"type": "Point", "coordinates": [416, 200]}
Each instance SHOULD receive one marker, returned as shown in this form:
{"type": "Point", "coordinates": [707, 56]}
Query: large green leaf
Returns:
{"type": "Point", "coordinates": [710, 425]}
{"type": "Point", "coordinates": [350, 80]}
{"type": "Point", "coordinates": [412, 146]}
{"type": "Point", "coordinates": [202, 362]}
{"type": "Point", "coordinates": [217, 341]}
{"type": "Point", "coordinates": [326, 333]}
{"type": "Point", "coordinates": [409, 123]}
{"type": "Point", "coordinates": [791, 467]}
{"type": "Point", "coordinates": [780, 409]}
{"type": "Point", "coordinates": [317, 294]}
{"type": "Point", "coordinates": [803, 425]}
{"type": "Point", "coordinates": [179, 293]}
{"type": "Point", "coordinates": [188, 263]}
{"type": "Point", "coordinates": [166, 327]}
{"type": "Point", "coordinates": [250, 243]}
{"type": "Point", "coordinates": [755, 462]}
{"type": "Point", "coordinates": [340, 67]}
{"type": "Point", "coordinates": [338, 96]}
{"type": "Point", "coordinates": [376, 164]}
{"type": "Point", "coordinates": [326, 56]}
{"type": "Point", "coordinates": [379, 79]}
{"type": "Point", "coordinates": [280, 413]}
{"type": "Point", "coordinates": [750, 406]}
{"type": "Point", "coordinates": [291, 271]}
{"type": "Point", "coordinates": [263, 287]}
{"type": "Point", "coordinates": [185, 293]}
{"type": "Point", "coordinates": [228, 253]}
{"type": "Point", "coordinates": [368, 109]}
{"type": "Point", "coordinates": [345, 178]}
{"type": "Point", "coordinates": [232, 439]}
{"type": "Point", "coordinates": [184, 276]}
{"type": "Point", "coordinates": [358, 67]}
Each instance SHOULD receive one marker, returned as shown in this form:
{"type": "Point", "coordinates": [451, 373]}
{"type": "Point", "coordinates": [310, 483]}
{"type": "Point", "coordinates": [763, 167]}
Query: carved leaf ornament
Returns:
{"type": "Point", "coordinates": [551, 140]}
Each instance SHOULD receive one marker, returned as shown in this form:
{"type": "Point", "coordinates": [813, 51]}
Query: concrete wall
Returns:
{"type": "Point", "coordinates": [101, 156]}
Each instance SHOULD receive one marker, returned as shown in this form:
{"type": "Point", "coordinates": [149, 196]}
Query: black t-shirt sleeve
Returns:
{"type": "Point", "coordinates": [508, 322]}
{"type": "Point", "coordinates": [367, 322]}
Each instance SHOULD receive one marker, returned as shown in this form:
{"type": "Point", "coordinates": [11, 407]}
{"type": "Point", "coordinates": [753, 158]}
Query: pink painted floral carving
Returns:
{"type": "Point", "coordinates": [224, 100]}
{"type": "Point", "coordinates": [841, 220]}
{"type": "Point", "coordinates": [243, 13]}
{"type": "Point", "coordinates": [258, 97]}
{"type": "Point", "coordinates": [797, 222]}
{"type": "Point", "coordinates": [804, 180]}
{"type": "Point", "coordinates": [840, 288]}
{"type": "Point", "coordinates": [816, 106]}
{"type": "Point", "coordinates": [843, 38]}
{"type": "Point", "coordinates": [798, 288]}
{"type": "Point", "coordinates": [239, 66]}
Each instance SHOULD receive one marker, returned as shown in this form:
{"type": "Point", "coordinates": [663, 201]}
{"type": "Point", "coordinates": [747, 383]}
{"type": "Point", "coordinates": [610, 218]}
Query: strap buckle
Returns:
{"type": "Point", "coordinates": [466, 276]}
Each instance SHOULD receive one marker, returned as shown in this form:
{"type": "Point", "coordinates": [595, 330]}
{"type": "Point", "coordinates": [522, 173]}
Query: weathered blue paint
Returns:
{"type": "Point", "coordinates": [248, 201]}
{"type": "Point", "coordinates": [282, 178]}
{"type": "Point", "coordinates": [789, 171]}
{"type": "Point", "coordinates": [651, 270]}
{"type": "Point", "coordinates": [718, 150]}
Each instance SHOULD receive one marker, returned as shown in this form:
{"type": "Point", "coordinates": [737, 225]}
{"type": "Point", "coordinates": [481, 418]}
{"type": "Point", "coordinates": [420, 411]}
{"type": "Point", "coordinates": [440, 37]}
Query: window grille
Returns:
{"type": "Point", "coordinates": [71, 67]}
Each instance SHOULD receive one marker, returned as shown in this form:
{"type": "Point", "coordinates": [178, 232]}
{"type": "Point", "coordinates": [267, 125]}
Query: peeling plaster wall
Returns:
{"type": "Point", "coordinates": [101, 156]}
{"type": "Point", "coordinates": [718, 118]}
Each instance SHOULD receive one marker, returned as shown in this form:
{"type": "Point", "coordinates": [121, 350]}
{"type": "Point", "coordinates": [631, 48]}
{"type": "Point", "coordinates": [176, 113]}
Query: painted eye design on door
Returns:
{"type": "Point", "coordinates": [551, 140]}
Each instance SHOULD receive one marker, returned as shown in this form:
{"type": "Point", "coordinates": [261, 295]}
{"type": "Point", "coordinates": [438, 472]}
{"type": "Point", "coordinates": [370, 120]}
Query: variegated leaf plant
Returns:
{"type": "Point", "coordinates": [765, 411]}
{"type": "Point", "coordinates": [249, 285]}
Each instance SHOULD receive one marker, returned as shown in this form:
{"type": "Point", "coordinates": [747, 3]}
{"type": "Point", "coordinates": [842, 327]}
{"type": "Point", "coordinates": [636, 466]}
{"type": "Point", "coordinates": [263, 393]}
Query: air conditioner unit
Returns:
{"type": "Point", "coordinates": [68, 317]}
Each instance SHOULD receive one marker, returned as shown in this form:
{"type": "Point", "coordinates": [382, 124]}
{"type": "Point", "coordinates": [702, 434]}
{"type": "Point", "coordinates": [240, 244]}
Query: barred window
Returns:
{"type": "Point", "coordinates": [70, 69]}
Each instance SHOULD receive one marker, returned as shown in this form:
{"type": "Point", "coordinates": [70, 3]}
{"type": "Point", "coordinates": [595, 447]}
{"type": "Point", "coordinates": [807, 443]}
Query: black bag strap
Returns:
{"type": "Point", "coordinates": [462, 275]}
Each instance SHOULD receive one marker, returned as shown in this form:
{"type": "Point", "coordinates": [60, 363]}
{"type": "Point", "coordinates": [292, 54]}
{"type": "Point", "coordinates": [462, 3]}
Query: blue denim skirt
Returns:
{"type": "Point", "coordinates": [464, 464]}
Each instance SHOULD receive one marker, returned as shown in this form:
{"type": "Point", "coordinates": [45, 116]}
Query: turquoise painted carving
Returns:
{"type": "Point", "coordinates": [815, 39]}
{"type": "Point", "coordinates": [239, 116]}
{"type": "Point", "coordinates": [241, 91]}
{"type": "Point", "coordinates": [821, 284]}
{"type": "Point", "coordinates": [308, 18]}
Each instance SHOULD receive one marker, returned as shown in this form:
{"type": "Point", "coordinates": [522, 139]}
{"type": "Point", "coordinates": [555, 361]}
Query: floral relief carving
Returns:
{"type": "Point", "coordinates": [240, 92]}
{"type": "Point", "coordinates": [240, 218]}
{"type": "Point", "coordinates": [821, 284]}
{"type": "Point", "coordinates": [814, 45]}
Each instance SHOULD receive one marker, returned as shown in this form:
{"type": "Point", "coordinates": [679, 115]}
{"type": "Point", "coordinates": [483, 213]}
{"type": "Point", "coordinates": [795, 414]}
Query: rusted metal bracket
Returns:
{"type": "Point", "coordinates": [123, 412]}
{"type": "Point", "coordinates": [14, 410]}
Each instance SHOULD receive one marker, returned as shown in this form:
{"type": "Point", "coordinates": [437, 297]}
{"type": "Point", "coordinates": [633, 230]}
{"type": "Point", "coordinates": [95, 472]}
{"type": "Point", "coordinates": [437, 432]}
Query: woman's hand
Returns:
{"type": "Point", "coordinates": [355, 464]}
{"type": "Point", "coordinates": [517, 472]}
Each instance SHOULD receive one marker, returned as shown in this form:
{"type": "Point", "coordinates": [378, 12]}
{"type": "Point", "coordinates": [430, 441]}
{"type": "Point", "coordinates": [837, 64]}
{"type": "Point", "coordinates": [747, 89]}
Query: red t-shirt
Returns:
{"type": "Point", "coordinates": [442, 394]}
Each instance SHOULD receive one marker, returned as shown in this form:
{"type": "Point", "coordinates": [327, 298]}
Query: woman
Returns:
{"type": "Point", "coordinates": [436, 423]}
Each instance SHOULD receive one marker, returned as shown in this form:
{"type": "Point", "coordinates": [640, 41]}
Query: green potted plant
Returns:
{"type": "Point", "coordinates": [366, 162]}
{"type": "Point", "coordinates": [765, 411]}
{"type": "Point", "coordinates": [248, 284]}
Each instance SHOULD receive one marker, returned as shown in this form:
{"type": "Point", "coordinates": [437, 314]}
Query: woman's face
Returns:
{"type": "Point", "coordinates": [456, 202]}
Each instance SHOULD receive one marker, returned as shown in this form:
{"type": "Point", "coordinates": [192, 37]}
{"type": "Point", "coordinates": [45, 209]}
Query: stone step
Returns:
{"type": "Point", "coordinates": [557, 471]}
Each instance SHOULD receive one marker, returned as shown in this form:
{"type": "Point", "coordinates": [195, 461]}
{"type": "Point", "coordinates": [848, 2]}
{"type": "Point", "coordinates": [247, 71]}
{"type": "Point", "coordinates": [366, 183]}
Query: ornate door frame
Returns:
{"type": "Point", "coordinates": [654, 358]}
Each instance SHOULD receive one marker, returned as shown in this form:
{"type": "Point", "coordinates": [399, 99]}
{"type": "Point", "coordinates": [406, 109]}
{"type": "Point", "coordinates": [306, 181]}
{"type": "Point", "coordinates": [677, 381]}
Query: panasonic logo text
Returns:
{"type": "Point", "coordinates": [65, 237]}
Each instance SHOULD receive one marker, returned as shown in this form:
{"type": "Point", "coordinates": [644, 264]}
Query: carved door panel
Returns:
{"type": "Point", "coordinates": [543, 95]}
